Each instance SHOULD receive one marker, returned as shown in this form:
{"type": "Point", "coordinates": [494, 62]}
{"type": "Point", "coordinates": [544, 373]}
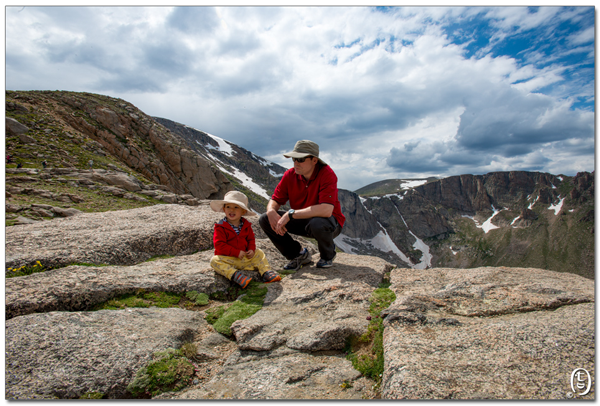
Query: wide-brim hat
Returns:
{"type": "Point", "coordinates": [233, 197]}
{"type": "Point", "coordinates": [304, 148]}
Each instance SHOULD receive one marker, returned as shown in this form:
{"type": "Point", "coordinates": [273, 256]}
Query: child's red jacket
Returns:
{"type": "Point", "coordinates": [228, 243]}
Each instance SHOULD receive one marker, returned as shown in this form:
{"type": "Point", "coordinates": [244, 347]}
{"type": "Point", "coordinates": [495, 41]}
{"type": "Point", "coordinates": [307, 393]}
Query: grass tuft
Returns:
{"type": "Point", "coordinates": [366, 351]}
{"type": "Point", "coordinates": [25, 270]}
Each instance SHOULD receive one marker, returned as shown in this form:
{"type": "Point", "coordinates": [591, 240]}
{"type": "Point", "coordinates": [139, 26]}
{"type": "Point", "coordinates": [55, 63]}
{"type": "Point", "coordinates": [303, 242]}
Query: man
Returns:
{"type": "Point", "coordinates": [311, 189]}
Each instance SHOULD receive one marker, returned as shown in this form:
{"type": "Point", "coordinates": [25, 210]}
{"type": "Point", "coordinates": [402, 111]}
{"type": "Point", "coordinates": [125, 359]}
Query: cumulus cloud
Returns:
{"type": "Point", "coordinates": [386, 92]}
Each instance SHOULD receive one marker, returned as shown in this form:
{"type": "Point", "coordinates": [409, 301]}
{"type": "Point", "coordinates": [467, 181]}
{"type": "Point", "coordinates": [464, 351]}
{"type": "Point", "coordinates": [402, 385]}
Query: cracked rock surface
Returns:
{"type": "Point", "coordinates": [66, 354]}
{"type": "Point", "coordinates": [487, 333]}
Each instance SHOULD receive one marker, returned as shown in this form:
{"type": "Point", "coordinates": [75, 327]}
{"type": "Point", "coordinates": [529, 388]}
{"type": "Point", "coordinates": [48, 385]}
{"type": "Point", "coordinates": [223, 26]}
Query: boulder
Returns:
{"type": "Point", "coordinates": [122, 237]}
{"type": "Point", "coordinates": [13, 127]}
{"type": "Point", "coordinates": [118, 179]}
{"type": "Point", "coordinates": [281, 374]}
{"type": "Point", "coordinates": [66, 212]}
{"type": "Point", "coordinates": [487, 333]}
{"type": "Point", "coordinates": [483, 333]}
{"type": "Point", "coordinates": [340, 293]}
{"type": "Point", "coordinates": [291, 348]}
{"type": "Point", "coordinates": [67, 354]}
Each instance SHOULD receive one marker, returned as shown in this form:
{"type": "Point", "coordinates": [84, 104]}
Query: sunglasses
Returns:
{"type": "Point", "coordinates": [300, 160]}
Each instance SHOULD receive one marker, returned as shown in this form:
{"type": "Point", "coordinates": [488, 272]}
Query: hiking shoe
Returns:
{"type": "Point", "coordinates": [271, 276]}
{"type": "Point", "coordinates": [241, 279]}
{"type": "Point", "coordinates": [296, 263]}
{"type": "Point", "coordinates": [326, 263]}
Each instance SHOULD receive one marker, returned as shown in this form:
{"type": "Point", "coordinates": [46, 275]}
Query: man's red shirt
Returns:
{"type": "Point", "coordinates": [320, 188]}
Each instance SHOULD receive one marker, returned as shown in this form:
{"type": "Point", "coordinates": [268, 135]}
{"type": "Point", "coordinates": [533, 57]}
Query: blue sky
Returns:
{"type": "Point", "coordinates": [389, 92]}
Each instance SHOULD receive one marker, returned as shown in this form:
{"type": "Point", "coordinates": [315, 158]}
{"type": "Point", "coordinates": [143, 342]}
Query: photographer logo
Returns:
{"type": "Point", "coordinates": [581, 382]}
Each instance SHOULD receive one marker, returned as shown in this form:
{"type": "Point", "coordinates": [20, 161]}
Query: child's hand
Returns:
{"type": "Point", "coordinates": [242, 254]}
{"type": "Point", "coordinates": [250, 254]}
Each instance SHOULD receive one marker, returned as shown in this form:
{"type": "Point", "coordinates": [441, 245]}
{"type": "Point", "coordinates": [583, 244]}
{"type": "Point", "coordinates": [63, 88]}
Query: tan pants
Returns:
{"type": "Point", "coordinates": [227, 266]}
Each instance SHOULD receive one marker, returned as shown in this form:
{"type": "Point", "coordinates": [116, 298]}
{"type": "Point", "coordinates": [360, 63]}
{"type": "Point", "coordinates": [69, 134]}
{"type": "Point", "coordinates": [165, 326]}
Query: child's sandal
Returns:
{"type": "Point", "coordinates": [241, 279]}
{"type": "Point", "coordinates": [271, 276]}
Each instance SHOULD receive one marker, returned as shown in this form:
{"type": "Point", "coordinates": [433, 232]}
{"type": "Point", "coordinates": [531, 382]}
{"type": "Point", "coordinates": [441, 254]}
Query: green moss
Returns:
{"type": "Point", "coordinates": [162, 299]}
{"type": "Point", "coordinates": [166, 256]}
{"type": "Point", "coordinates": [222, 317]}
{"type": "Point", "coordinates": [168, 371]}
{"type": "Point", "coordinates": [237, 311]}
{"type": "Point", "coordinates": [371, 363]}
{"type": "Point", "coordinates": [215, 313]}
{"type": "Point", "coordinates": [92, 395]}
{"type": "Point", "coordinates": [189, 350]}
{"type": "Point", "coordinates": [141, 298]}
{"type": "Point", "coordinates": [381, 298]}
{"type": "Point", "coordinates": [122, 302]}
{"type": "Point", "coordinates": [198, 298]}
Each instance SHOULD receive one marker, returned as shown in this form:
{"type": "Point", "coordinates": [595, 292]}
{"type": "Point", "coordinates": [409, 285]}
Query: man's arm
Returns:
{"type": "Point", "coordinates": [317, 210]}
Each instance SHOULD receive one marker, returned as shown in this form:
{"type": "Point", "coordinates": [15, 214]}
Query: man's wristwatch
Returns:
{"type": "Point", "coordinates": [291, 213]}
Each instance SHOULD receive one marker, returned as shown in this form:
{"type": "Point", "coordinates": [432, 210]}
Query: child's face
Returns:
{"type": "Point", "coordinates": [233, 212]}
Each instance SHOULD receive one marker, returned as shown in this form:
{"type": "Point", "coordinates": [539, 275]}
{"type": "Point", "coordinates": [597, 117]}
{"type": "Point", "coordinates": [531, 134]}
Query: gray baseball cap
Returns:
{"type": "Point", "coordinates": [304, 148]}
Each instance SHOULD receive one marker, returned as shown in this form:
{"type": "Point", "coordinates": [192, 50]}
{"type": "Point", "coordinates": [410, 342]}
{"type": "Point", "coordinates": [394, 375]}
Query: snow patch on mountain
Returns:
{"type": "Point", "coordinates": [383, 242]}
{"type": "Point", "coordinates": [413, 183]}
{"type": "Point", "coordinates": [223, 147]}
{"type": "Point", "coordinates": [557, 207]}
{"type": "Point", "coordinates": [487, 225]}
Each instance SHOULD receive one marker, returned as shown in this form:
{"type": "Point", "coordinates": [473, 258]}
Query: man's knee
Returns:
{"type": "Point", "coordinates": [318, 226]}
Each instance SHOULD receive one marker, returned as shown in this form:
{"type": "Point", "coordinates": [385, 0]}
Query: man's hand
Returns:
{"type": "Point", "coordinates": [275, 219]}
{"type": "Point", "coordinates": [280, 226]}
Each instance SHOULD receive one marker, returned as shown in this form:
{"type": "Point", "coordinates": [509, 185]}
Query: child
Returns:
{"type": "Point", "coordinates": [235, 246]}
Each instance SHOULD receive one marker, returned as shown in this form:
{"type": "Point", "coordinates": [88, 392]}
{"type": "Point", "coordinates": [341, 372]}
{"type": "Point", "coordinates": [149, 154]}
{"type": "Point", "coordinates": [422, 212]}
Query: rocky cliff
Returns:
{"type": "Point", "coordinates": [231, 159]}
{"type": "Point", "coordinates": [498, 219]}
{"type": "Point", "coordinates": [484, 333]}
{"type": "Point", "coordinates": [67, 129]}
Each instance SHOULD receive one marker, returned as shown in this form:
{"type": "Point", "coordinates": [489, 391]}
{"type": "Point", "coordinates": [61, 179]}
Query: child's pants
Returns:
{"type": "Point", "coordinates": [227, 266]}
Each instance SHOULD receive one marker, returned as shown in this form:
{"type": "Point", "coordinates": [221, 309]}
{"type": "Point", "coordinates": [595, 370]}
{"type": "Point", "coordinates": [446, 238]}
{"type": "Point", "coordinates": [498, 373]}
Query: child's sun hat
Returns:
{"type": "Point", "coordinates": [233, 197]}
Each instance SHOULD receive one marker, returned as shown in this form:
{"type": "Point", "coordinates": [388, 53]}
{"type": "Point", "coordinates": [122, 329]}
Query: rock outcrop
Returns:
{"type": "Point", "coordinates": [67, 354]}
{"type": "Point", "coordinates": [117, 238]}
{"type": "Point", "coordinates": [107, 126]}
{"type": "Point", "coordinates": [487, 333]}
{"type": "Point", "coordinates": [262, 172]}
{"type": "Point", "coordinates": [361, 223]}
{"type": "Point", "coordinates": [451, 333]}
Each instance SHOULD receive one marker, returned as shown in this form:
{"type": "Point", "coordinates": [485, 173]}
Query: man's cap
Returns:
{"type": "Point", "coordinates": [233, 197]}
{"type": "Point", "coordinates": [304, 148]}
